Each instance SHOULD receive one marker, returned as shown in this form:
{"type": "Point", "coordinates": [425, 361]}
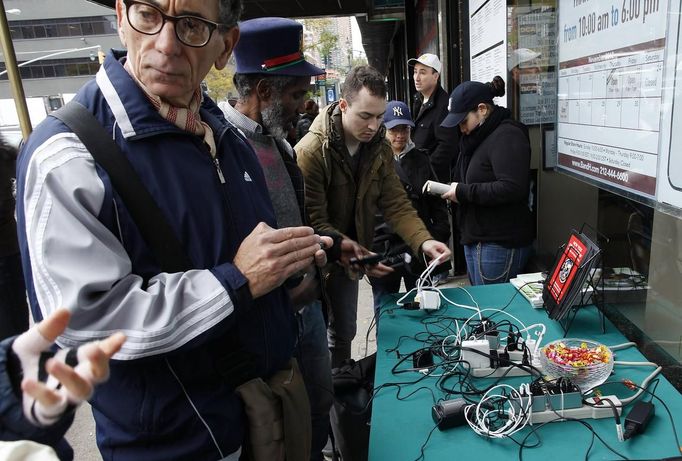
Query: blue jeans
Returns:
{"type": "Point", "coordinates": [13, 307]}
{"type": "Point", "coordinates": [489, 263]}
{"type": "Point", "coordinates": [313, 358]}
{"type": "Point", "coordinates": [343, 314]}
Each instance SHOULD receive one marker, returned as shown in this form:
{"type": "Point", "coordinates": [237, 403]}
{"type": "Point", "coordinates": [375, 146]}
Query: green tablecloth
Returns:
{"type": "Point", "coordinates": [400, 427]}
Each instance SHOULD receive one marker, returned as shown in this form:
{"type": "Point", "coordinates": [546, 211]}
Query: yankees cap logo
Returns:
{"type": "Point", "coordinates": [398, 111]}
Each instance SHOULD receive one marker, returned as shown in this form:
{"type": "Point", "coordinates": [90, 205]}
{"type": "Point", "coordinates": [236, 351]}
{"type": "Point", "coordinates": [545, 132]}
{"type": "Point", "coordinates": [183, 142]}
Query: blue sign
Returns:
{"type": "Point", "coordinates": [331, 95]}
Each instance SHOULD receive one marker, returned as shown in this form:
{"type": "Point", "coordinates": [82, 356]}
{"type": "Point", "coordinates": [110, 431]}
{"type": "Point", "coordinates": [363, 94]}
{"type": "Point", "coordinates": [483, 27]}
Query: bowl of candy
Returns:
{"type": "Point", "coordinates": [586, 363]}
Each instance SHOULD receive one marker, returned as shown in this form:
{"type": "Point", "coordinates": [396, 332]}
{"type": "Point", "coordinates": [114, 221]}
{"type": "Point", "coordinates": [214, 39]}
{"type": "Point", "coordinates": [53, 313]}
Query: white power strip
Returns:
{"type": "Point", "coordinates": [599, 411]}
{"type": "Point", "coordinates": [507, 372]}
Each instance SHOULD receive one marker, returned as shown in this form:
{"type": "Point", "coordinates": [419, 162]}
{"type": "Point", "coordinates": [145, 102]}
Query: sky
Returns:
{"type": "Point", "coordinates": [357, 38]}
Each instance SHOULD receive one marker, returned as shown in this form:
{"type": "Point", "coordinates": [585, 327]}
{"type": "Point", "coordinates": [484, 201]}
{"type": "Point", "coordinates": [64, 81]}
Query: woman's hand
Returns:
{"type": "Point", "coordinates": [451, 194]}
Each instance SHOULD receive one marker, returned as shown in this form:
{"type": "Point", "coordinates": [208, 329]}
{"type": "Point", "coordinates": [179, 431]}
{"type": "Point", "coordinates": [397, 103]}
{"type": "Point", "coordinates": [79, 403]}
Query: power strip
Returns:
{"type": "Point", "coordinates": [507, 372]}
{"type": "Point", "coordinates": [517, 356]}
{"type": "Point", "coordinates": [599, 411]}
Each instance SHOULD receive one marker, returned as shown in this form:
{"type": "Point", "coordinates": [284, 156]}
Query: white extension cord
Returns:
{"type": "Point", "coordinates": [598, 411]}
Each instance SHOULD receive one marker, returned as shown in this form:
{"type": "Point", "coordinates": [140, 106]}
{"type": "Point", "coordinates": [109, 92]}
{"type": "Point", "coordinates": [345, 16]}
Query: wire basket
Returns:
{"type": "Point", "coordinates": [586, 363]}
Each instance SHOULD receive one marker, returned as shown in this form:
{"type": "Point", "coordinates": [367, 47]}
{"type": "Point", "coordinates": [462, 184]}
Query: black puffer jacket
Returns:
{"type": "Point", "coordinates": [493, 183]}
{"type": "Point", "coordinates": [439, 143]}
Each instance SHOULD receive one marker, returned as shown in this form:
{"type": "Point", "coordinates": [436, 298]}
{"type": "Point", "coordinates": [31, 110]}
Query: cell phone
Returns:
{"type": "Point", "coordinates": [388, 260]}
{"type": "Point", "coordinates": [370, 260]}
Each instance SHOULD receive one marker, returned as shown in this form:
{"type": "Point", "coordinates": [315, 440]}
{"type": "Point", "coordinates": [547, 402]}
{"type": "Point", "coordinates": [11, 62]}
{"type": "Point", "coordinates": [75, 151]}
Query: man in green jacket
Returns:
{"type": "Point", "coordinates": [349, 175]}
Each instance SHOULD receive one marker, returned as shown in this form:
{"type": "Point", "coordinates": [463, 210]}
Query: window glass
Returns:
{"type": "Point", "coordinates": [98, 28]}
{"type": "Point", "coordinates": [75, 30]}
{"type": "Point", "coordinates": [39, 31]}
{"type": "Point", "coordinates": [63, 27]}
{"type": "Point", "coordinates": [51, 30]}
{"type": "Point", "coordinates": [87, 28]}
{"type": "Point", "coordinates": [642, 246]}
{"type": "Point", "coordinates": [27, 32]}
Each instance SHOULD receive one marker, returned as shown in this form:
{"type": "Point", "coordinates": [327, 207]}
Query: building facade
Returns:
{"type": "Point", "coordinates": [62, 40]}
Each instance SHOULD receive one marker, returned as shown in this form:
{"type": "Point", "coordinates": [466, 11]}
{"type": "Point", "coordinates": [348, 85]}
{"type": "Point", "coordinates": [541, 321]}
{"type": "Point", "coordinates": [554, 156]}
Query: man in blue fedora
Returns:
{"type": "Point", "coordinates": [273, 79]}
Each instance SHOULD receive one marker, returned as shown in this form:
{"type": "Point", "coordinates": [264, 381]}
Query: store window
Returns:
{"type": "Point", "coordinates": [595, 85]}
{"type": "Point", "coordinates": [49, 68]}
{"type": "Point", "coordinates": [427, 27]}
{"type": "Point", "coordinates": [63, 27]}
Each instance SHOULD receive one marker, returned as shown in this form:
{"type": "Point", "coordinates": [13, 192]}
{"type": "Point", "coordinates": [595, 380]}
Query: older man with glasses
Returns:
{"type": "Point", "coordinates": [194, 335]}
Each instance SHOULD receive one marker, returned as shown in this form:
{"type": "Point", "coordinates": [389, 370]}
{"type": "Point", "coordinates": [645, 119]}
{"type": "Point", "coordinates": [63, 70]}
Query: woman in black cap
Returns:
{"type": "Point", "coordinates": [491, 183]}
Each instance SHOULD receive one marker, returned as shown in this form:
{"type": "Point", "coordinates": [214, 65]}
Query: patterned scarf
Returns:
{"type": "Point", "coordinates": [185, 118]}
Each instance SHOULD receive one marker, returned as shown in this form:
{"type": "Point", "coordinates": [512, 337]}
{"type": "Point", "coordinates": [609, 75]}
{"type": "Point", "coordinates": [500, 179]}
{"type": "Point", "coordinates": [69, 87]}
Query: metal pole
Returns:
{"type": "Point", "coordinates": [14, 77]}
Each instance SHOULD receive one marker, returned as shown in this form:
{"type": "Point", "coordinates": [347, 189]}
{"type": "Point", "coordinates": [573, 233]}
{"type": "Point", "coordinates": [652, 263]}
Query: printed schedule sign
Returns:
{"type": "Point", "coordinates": [488, 41]}
{"type": "Point", "coordinates": [536, 32]}
{"type": "Point", "coordinates": [611, 57]}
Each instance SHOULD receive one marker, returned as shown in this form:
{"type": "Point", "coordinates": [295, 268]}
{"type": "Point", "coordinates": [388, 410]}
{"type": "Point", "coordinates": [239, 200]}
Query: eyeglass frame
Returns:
{"type": "Point", "coordinates": [212, 26]}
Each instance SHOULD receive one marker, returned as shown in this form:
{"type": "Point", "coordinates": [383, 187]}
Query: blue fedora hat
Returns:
{"type": "Point", "coordinates": [272, 46]}
{"type": "Point", "coordinates": [397, 113]}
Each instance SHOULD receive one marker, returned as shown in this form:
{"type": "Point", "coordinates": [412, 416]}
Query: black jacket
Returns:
{"type": "Point", "coordinates": [8, 227]}
{"type": "Point", "coordinates": [440, 144]}
{"type": "Point", "coordinates": [303, 125]}
{"type": "Point", "coordinates": [493, 183]}
{"type": "Point", "coordinates": [414, 170]}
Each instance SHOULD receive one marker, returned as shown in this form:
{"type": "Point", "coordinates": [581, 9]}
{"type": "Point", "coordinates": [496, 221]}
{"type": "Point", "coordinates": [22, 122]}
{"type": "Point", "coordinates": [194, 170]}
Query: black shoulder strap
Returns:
{"type": "Point", "coordinates": [147, 215]}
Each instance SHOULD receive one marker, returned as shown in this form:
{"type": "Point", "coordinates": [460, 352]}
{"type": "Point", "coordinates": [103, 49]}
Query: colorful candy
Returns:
{"type": "Point", "coordinates": [576, 356]}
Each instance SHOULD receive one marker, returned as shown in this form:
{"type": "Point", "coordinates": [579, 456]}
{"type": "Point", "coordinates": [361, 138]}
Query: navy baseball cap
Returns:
{"type": "Point", "coordinates": [397, 113]}
{"type": "Point", "coordinates": [272, 46]}
{"type": "Point", "coordinates": [465, 98]}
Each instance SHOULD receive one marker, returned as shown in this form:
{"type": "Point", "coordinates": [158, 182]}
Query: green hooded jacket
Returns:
{"type": "Point", "coordinates": [335, 201]}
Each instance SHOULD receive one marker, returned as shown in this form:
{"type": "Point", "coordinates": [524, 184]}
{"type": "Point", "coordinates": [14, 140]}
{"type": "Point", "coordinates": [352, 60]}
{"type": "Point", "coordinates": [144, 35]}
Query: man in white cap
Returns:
{"type": "Point", "coordinates": [429, 109]}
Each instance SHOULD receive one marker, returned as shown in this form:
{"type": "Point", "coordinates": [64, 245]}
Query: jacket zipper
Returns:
{"type": "Point", "coordinates": [221, 178]}
{"type": "Point", "coordinates": [216, 162]}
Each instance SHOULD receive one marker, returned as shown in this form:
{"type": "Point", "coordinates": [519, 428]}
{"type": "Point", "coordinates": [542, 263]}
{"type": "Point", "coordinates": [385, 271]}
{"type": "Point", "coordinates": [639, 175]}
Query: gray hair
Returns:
{"type": "Point", "coordinates": [229, 12]}
{"type": "Point", "coordinates": [246, 83]}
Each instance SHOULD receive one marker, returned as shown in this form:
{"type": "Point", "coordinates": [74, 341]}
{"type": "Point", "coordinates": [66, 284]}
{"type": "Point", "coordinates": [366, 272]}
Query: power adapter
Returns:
{"type": "Point", "coordinates": [476, 352]}
{"type": "Point", "coordinates": [449, 413]}
{"type": "Point", "coordinates": [428, 300]}
{"type": "Point", "coordinates": [637, 420]}
{"type": "Point", "coordinates": [422, 359]}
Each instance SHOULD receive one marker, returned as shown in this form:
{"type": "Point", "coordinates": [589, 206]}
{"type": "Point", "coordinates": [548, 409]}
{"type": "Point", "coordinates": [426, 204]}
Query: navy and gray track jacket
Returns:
{"type": "Point", "coordinates": [192, 336]}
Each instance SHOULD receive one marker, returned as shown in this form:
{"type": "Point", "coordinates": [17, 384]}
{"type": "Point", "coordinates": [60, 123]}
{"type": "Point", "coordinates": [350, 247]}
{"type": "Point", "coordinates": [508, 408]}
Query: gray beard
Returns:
{"type": "Point", "coordinates": [274, 122]}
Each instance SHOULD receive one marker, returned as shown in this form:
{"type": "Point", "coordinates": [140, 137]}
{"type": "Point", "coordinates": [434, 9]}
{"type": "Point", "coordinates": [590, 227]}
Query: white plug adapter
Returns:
{"type": "Point", "coordinates": [429, 300]}
{"type": "Point", "coordinates": [475, 359]}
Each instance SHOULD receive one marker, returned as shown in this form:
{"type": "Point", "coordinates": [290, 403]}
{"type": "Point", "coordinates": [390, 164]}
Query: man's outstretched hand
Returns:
{"type": "Point", "coordinates": [45, 402]}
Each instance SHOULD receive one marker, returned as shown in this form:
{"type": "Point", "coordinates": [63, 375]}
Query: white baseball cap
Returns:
{"type": "Point", "coordinates": [520, 56]}
{"type": "Point", "coordinates": [428, 59]}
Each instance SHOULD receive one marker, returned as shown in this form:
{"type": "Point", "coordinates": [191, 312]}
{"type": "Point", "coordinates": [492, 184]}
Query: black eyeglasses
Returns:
{"type": "Point", "coordinates": [149, 20]}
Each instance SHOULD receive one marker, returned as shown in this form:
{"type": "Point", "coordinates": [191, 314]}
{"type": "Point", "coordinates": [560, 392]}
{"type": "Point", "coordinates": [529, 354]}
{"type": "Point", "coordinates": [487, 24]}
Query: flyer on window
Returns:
{"type": "Point", "coordinates": [611, 58]}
